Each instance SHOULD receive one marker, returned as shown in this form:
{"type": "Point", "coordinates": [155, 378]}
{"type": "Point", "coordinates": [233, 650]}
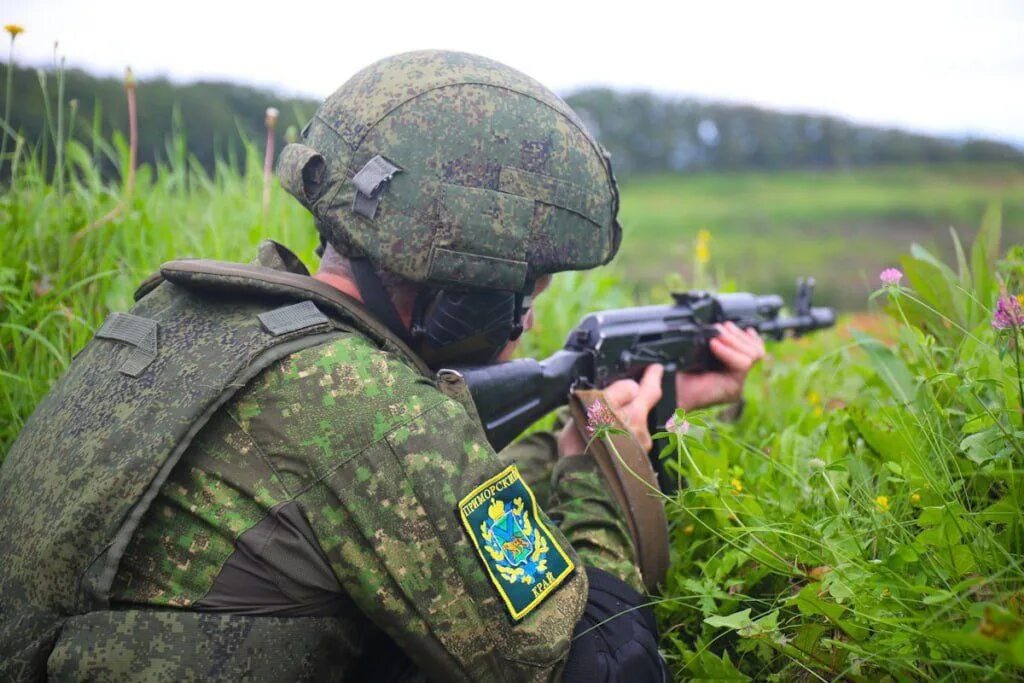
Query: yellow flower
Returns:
{"type": "Point", "coordinates": [813, 398]}
{"type": "Point", "coordinates": [688, 529]}
{"type": "Point", "coordinates": [882, 503]}
{"type": "Point", "coordinates": [703, 246]}
{"type": "Point", "coordinates": [915, 498]}
{"type": "Point", "coordinates": [737, 485]}
{"type": "Point", "coordinates": [14, 30]}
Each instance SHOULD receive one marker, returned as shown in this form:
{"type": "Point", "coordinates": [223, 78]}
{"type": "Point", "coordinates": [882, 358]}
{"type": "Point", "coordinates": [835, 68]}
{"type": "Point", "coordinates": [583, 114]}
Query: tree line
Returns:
{"type": "Point", "coordinates": [645, 132]}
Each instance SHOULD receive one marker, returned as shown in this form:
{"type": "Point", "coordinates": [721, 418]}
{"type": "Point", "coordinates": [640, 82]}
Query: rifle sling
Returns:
{"type": "Point", "coordinates": [634, 484]}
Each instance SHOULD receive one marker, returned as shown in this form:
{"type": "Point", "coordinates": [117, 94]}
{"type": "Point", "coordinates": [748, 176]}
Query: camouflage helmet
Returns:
{"type": "Point", "coordinates": [451, 169]}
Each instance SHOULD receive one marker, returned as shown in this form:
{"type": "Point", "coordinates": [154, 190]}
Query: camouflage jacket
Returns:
{"type": "Point", "coordinates": [341, 483]}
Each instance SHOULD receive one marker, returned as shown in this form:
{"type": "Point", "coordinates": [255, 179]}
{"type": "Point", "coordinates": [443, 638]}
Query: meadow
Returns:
{"type": "Point", "coordinates": [839, 226]}
{"type": "Point", "coordinates": [860, 521]}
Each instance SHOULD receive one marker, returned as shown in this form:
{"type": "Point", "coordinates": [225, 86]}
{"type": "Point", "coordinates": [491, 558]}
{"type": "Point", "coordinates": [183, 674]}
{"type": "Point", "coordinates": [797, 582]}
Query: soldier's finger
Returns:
{"type": "Point", "coordinates": [754, 336]}
{"type": "Point", "coordinates": [622, 392]}
{"type": "Point", "coordinates": [736, 338]}
{"type": "Point", "coordinates": [650, 387]}
{"type": "Point", "coordinates": [732, 358]}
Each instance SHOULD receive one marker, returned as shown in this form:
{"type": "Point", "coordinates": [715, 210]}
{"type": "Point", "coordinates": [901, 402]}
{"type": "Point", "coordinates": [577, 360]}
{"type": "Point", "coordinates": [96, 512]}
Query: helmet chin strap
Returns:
{"type": "Point", "coordinates": [376, 298]}
{"type": "Point", "coordinates": [446, 325]}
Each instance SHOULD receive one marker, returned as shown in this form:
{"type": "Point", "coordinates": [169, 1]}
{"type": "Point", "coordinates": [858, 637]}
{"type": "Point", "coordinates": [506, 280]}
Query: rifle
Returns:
{"type": "Point", "coordinates": [617, 344]}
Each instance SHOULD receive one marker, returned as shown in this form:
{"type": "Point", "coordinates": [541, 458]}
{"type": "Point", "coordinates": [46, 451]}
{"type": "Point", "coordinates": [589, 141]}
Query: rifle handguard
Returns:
{"type": "Point", "coordinates": [634, 484]}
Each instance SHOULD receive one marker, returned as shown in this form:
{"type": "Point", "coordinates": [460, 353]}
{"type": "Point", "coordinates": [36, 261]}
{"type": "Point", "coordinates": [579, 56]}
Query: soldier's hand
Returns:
{"type": "Point", "coordinates": [630, 401]}
{"type": "Point", "coordinates": [739, 350]}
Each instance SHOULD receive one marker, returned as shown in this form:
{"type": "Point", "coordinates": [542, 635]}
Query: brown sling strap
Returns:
{"type": "Point", "coordinates": [628, 471]}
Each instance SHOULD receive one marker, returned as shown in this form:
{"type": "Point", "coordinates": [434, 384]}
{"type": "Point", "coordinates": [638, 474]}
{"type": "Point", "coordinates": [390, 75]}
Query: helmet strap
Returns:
{"type": "Point", "coordinates": [376, 298]}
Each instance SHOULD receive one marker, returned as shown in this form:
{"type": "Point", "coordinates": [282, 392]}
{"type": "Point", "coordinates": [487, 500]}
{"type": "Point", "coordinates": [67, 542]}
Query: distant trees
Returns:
{"type": "Point", "coordinates": [212, 117]}
{"type": "Point", "coordinates": [646, 133]}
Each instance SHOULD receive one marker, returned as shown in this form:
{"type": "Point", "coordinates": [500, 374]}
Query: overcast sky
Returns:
{"type": "Point", "coordinates": [938, 66]}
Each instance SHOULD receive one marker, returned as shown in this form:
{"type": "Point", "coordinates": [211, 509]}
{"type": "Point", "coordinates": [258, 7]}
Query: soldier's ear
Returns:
{"type": "Point", "coordinates": [302, 172]}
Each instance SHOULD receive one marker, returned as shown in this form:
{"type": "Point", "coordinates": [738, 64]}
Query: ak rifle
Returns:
{"type": "Point", "coordinates": [617, 344]}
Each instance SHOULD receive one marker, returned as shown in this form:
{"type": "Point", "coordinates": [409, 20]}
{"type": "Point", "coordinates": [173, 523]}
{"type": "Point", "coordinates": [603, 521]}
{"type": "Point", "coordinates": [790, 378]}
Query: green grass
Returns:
{"type": "Point", "coordinates": [842, 227]}
{"type": "Point", "coordinates": [862, 521]}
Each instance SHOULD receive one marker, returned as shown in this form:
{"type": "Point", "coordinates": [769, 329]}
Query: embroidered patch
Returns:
{"type": "Point", "coordinates": [523, 559]}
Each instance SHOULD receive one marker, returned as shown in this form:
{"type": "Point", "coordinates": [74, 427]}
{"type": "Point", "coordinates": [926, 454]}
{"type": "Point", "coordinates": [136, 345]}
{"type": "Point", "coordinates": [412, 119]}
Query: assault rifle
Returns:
{"type": "Point", "coordinates": [617, 344]}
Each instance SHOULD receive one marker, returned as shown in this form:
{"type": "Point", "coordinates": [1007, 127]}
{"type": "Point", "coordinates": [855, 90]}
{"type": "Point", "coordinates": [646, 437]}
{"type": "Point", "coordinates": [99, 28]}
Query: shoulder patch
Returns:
{"type": "Point", "coordinates": [525, 562]}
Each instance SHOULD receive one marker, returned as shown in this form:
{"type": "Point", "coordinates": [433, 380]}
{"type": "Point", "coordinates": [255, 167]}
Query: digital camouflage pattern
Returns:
{"type": "Point", "coordinates": [375, 456]}
{"type": "Point", "coordinates": [150, 645]}
{"type": "Point", "coordinates": [81, 473]}
{"type": "Point", "coordinates": [499, 181]}
{"type": "Point", "coordinates": [378, 458]}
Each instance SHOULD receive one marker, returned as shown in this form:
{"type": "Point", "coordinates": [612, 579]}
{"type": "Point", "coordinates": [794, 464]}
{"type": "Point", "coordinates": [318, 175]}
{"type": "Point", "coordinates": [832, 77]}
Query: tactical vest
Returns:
{"type": "Point", "coordinates": [97, 449]}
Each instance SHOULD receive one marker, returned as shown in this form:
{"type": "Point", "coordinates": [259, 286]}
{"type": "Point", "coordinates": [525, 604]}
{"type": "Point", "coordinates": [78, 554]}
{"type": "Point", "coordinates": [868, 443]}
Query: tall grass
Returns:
{"type": "Point", "coordinates": [864, 518]}
{"type": "Point", "coordinates": [58, 281]}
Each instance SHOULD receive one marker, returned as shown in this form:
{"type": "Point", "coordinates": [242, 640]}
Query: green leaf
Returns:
{"type": "Point", "coordinates": [707, 666]}
{"type": "Point", "coordinates": [892, 371]}
{"type": "Point", "coordinates": [736, 620]}
{"type": "Point", "coordinates": [963, 559]}
{"type": "Point", "coordinates": [986, 445]}
{"type": "Point", "coordinates": [977, 423]}
{"type": "Point", "coordinates": [936, 287]}
{"type": "Point", "coordinates": [937, 597]}
{"type": "Point", "coordinates": [984, 253]}
{"type": "Point", "coordinates": [810, 603]}
{"type": "Point", "coordinates": [963, 270]}
{"type": "Point", "coordinates": [1002, 511]}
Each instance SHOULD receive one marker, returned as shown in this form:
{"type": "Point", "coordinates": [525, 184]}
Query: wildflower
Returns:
{"type": "Point", "coordinates": [816, 463]}
{"type": "Point", "coordinates": [882, 503]}
{"type": "Point", "coordinates": [703, 250]}
{"type": "Point", "coordinates": [689, 529]}
{"type": "Point", "coordinates": [270, 118]}
{"type": "Point", "coordinates": [915, 498]}
{"type": "Point", "coordinates": [890, 277]}
{"type": "Point", "coordinates": [14, 30]}
{"type": "Point", "coordinates": [680, 428]}
{"type": "Point", "coordinates": [886, 593]}
{"type": "Point", "coordinates": [1009, 313]}
{"type": "Point", "coordinates": [598, 417]}
{"type": "Point", "coordinates": [270, 122]}
{"type": "Point", "coordinates": [737, 486]}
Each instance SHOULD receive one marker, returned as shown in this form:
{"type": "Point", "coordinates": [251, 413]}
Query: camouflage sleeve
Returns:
{"type": "Point", "coordinates": [591, 519]}
{"type": "Point", "coordinates": [535, 456]}
{"type": "Point", "coordinates": [435, 540]}
{"type": "Point", "coordinates": [573, 492]}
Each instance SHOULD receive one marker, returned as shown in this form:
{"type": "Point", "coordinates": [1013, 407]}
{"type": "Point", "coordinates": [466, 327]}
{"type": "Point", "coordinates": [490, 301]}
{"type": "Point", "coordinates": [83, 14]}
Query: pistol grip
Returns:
{"type": "Point", "coordinates": [656, 421]}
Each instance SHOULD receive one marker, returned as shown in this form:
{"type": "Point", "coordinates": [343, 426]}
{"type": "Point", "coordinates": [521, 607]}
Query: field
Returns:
{"type": "Point", "coordinates": [841, 227]}
{"type": "Point", "coordinates": [861, 521]}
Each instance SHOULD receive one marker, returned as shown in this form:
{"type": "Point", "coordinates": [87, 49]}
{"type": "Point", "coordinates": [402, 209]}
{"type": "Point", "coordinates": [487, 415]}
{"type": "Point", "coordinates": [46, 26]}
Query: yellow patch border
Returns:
{"type": "Point", "coordinates": [570, 566]}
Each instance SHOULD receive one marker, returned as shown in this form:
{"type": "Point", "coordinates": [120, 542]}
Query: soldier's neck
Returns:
{"type": "Point", "coordinates": [348, 286]}
{"type": "Point", "coordinates": [339, 282]}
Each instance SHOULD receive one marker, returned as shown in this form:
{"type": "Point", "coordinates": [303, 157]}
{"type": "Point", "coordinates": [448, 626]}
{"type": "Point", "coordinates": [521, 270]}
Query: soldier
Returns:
{"type": "Point", "coordinates": [254, 474]}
